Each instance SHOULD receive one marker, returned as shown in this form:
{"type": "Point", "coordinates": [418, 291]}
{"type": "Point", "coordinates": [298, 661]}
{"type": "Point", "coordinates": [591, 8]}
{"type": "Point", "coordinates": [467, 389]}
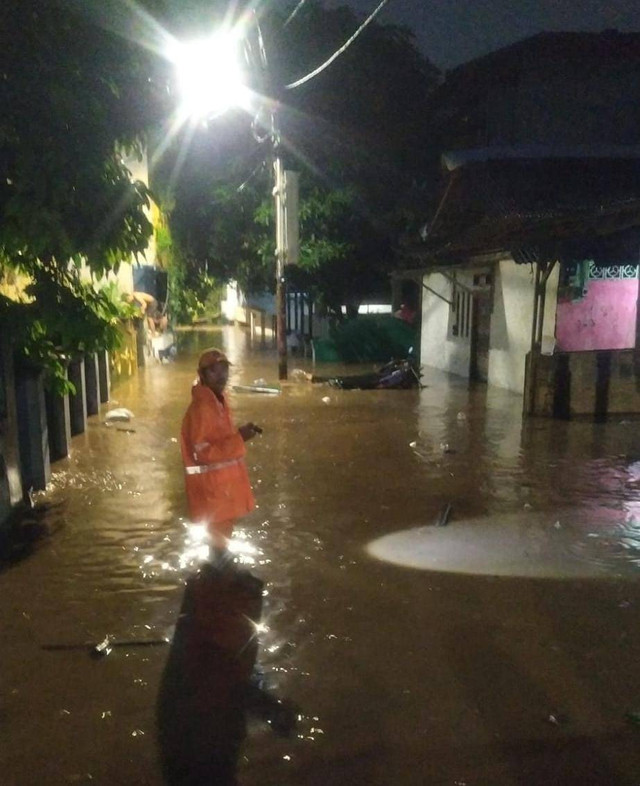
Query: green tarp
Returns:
{"type": "Point", "coordinates": [369, 338]}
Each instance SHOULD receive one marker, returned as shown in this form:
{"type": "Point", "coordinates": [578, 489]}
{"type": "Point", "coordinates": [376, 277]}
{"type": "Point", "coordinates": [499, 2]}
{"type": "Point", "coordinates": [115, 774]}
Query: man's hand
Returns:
{"type": "Point", "coordinates": [249, 430]}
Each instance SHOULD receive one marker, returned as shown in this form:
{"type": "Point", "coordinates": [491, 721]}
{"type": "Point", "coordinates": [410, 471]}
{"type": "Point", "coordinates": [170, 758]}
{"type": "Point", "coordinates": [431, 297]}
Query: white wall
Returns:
{"type": "Point", "coordinates": [510, 331]}
{"type": "Point", "coordinates": [139, 169]}
{"type": "Point", "coordinates": [511, 322]}
{"type": "Point", "coordinates": [438, 348]}
{"type": "Point", "coordinates": [124, 277]}
{"type": "Point", "coordinates": [231, 306]}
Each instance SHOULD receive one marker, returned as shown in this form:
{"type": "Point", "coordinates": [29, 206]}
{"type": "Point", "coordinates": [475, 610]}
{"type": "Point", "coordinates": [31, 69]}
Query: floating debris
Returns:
{"type": "Point", "coordinates": [270, 390]}
{"type": "Point", "coordinates": [443, 518]}
{"type": "Point", "coordinates": [119, 414]}
{"type": "Point", "coordinates": [104, 647]}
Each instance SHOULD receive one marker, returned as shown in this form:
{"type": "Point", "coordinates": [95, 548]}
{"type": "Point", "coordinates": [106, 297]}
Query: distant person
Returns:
{"type": "Point", "coordinates": [213, 453]}
{"type": "Point", "coordinates": [156, 321]}
{"type": "Point", "coordinates": [406, 314]}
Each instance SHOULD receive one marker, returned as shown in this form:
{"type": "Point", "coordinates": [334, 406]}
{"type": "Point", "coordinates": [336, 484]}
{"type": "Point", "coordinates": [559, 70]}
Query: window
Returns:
{"type": "Point", "coordinates": [461, 313]}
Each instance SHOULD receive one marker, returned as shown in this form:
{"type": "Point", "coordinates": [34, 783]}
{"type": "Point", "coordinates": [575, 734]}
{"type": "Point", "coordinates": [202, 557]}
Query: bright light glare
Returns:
{"type": "Point", "coordinates": [209, 75]}
{"type": "Point", "coordinates": [196, 545]}
{"type": "Point", "coordinates": [244, 551]}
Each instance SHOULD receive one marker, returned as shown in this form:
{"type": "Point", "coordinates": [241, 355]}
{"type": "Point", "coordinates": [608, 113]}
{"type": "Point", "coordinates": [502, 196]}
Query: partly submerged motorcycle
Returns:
{"type": "Point", "coordinates": [395, 375]}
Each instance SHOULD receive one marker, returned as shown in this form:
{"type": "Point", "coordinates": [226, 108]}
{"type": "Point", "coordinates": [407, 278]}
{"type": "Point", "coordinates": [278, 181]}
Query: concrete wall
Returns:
{"type": "Point", "coordinates": [233, 304]}
{"type": "Point", "coordinates": [139, 169]}
{"type": "Point", "coordinates": [439, 348]}
{"type": "Point", "coordinates": [604, 319]}
{"type": "Point", "coordinates": [10, 483]}
{"type": "Point", "coordinates": [510, 330]}
{"type": "Point", "coordinates": [123, 363]}
{"type": "Point", "coordinates": [511, 322]}
{"type": "Point", "coordinates": [588, 383]}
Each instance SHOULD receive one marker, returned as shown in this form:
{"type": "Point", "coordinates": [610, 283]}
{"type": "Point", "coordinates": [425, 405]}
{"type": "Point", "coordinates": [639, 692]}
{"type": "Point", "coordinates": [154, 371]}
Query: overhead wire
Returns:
{"type": "Point", "coordinates": [338, 52]}
{"type": "Point", "coordinates": [256, 169]}
{"type": "Point", "coordinates": [294, 12]}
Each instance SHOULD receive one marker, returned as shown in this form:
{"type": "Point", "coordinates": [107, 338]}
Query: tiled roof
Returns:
{"type": "Point", "coordinates": [500, 205]}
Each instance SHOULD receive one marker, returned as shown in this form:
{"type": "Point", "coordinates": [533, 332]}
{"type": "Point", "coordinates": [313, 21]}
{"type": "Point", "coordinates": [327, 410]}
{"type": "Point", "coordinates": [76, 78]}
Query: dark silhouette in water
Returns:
{"type": "Point", "coordinates": [26, 529]}
{"type": "Point", "coordinates": [206, 688]}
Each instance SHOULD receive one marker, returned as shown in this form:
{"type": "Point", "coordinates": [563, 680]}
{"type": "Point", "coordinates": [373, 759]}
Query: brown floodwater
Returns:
{"type": "Point", "coordinates": [501, 648]}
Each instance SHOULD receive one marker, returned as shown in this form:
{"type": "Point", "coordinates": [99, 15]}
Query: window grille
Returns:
{"type": "Point", "coordinates": [461, 314]}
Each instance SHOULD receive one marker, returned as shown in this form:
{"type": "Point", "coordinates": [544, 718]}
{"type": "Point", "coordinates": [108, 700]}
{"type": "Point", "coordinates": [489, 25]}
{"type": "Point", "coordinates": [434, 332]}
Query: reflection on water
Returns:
{"type": "Point", "coordinates": [210, 683]}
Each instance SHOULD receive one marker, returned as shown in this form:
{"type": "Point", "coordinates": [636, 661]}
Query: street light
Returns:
{"type": "Point", "coordinates": [211, 80]}
{"type": "Point", "coordinates": [209, 77]}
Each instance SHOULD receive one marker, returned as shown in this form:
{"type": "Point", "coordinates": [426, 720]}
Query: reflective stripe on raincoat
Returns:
{"type": "Point", "coordinates": [216, 478]}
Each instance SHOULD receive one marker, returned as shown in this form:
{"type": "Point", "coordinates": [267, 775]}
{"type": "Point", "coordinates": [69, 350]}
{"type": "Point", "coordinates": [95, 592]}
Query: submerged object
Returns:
{"type": "Point", "coordinates": [272, 390]}
{"type": "Point", "coordinates": [443, 518]}
{"type": "Point", "coordinates": [395, 375]}
{"type": "Point", "coordinates": [104, 647]}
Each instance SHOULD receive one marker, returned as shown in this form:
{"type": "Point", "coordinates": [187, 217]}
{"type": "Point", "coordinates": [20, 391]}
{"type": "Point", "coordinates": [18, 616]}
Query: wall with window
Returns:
{"type": "Point", "coordinates": [446, 326]}
{"type": "Point", "coordinates": [446, 322]}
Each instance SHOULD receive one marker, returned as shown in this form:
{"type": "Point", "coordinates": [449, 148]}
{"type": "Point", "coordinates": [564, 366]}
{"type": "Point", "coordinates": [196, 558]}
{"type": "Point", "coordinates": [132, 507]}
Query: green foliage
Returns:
{"type": "Point", "coordinates": [63, 318]}
{"type": "Point", "coordinates": [188, 290]}
{"type": "Point", "coordinates": [72, 94]}
{"type": "Point", "coordinates": [190, 285]}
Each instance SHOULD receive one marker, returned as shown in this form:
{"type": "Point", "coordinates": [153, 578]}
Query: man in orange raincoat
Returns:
{"type": "Point", "coordinates": [213, 451]}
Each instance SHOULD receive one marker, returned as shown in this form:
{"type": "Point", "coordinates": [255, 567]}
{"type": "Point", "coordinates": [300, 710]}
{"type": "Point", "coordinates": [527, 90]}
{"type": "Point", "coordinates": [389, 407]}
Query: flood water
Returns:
{"type": "Point", "coordinates": [501, 648]}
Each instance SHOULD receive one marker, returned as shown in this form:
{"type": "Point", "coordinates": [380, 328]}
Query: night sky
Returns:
{"type": "Point", "coordinates": [450, 32]}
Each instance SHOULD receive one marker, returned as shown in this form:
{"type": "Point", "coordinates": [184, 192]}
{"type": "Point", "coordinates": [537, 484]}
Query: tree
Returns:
{"type": "Point", "coordinates": [72, 94]}
{"type": "Point", "coordinates": [357, 133]}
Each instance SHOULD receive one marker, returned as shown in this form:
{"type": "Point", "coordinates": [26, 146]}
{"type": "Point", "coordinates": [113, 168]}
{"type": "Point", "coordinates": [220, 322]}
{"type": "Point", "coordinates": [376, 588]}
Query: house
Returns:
{"type": "Point", "coordinates": [530, 263]}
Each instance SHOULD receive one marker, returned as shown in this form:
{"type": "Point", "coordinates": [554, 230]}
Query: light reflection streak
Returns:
{"type": "Point", "coordinates": [182, 555]}
{"type": "Point", "coordinates": [196, 546]}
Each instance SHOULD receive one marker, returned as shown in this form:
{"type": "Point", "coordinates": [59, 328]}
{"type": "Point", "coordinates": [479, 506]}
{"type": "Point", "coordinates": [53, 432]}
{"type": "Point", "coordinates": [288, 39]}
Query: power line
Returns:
{"type": "Point", "coordinates": [294, 12]}
{"type": "Point", "coordinates": [342, 49]}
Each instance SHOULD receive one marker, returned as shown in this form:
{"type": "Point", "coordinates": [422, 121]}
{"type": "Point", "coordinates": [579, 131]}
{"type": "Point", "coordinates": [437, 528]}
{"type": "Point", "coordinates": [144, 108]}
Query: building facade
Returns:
{"type": "Point", "coordinates": [533, 253]}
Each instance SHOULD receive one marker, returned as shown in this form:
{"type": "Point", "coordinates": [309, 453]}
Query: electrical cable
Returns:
{"type": "Point", "coordinates": [242, 186]}
{"type": "Point", "coordinates": [262, 48]}
{"type": "Point", "coordinates": [294, 12]}
{"type": "Point", "coordinates": [340, 51]}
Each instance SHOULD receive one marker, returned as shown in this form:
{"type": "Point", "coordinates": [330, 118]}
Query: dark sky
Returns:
{"type": "Point", "coordinates": [450, 32]}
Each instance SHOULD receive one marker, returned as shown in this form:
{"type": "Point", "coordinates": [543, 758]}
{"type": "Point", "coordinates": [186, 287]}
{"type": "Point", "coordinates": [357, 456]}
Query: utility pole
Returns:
{"type": "Point", "coordinates": [281, 253]}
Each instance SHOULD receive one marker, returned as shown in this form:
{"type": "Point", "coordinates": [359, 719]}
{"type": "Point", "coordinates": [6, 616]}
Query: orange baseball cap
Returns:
{"type": "Point", "coordinates": [212, 356]}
